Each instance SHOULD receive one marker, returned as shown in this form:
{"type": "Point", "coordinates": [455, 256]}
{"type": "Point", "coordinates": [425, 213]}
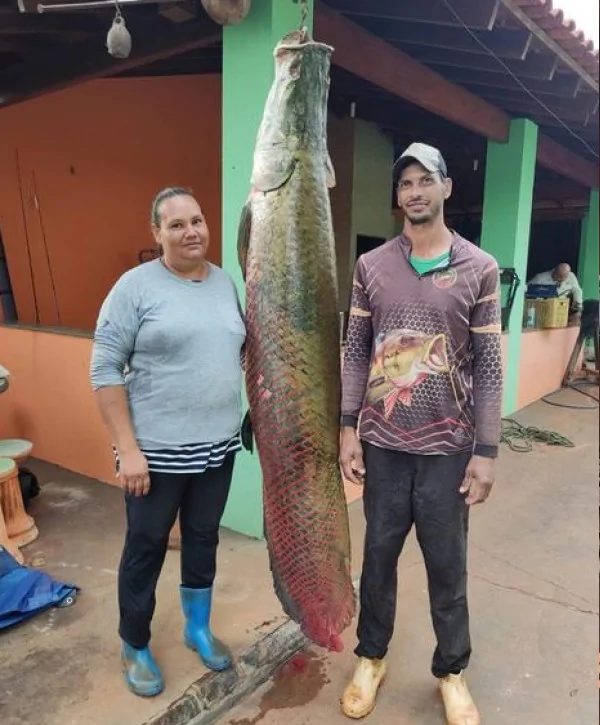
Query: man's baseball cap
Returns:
{"type": "Point", "coordinates": [429, 157]}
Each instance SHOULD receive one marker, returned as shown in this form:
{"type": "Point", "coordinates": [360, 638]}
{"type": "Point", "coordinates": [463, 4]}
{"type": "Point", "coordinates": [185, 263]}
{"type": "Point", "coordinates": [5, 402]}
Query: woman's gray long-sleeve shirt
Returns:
{"type": "Point", "coordinates": [176, 346]}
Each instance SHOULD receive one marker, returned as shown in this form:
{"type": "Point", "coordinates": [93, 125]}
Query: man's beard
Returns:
{"type": "Point", "coordinates": [427, 218]}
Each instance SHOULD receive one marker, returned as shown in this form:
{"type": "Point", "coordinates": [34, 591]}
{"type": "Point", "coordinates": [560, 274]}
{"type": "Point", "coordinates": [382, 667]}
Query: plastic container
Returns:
{"type": "Point", "coordinates": [530, 314]}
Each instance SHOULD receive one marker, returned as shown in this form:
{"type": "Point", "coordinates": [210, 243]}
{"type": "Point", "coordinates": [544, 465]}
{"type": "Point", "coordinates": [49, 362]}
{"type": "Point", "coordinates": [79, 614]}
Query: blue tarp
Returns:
{"type": "Point", "coordinates": [26, 592]}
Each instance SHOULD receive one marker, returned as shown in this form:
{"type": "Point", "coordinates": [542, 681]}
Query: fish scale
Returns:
{"type": "Point", "coordinates": [287, 253]}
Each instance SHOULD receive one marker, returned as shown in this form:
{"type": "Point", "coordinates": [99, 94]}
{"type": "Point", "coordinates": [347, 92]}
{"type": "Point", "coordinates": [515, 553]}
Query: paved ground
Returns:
{"type": "Point", "coordinates": [534, 605]}
{"type": "Point", "coordinates": [62, 668]}
{"type": "Point", "coordinates": [534, 601]}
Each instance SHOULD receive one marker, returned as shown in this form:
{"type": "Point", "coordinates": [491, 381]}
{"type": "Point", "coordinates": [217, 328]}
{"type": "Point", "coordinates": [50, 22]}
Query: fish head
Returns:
{"type": "Point", "coordinates": [302, 68]}
{"type": "Point", "coordinates": [294, 122]}
{"type": "Point", "coordinates": [408, 356]}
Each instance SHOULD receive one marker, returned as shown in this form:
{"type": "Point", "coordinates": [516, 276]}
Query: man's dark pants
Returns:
{"type": "Point", "coordinates": [401, 490]}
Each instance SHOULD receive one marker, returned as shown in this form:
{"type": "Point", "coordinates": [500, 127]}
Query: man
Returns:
{"type": "Point", "coordinates": [423, 373]}
{"type": "Point", "coordinates": [566, 283]}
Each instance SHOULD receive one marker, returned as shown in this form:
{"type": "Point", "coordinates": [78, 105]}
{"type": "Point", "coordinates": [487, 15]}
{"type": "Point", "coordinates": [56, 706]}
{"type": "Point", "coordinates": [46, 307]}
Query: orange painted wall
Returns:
{"type": "Point", "coordinates": [78, 171]}
{"type": "Point", "coordinates": [50, 402]}
{"type": "Point", "coordinates": [544, 358]}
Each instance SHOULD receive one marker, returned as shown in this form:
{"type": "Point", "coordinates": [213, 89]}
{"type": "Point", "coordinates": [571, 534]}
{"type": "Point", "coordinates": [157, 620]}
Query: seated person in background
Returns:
{"type": "Point", "coordinates": [567, 285]}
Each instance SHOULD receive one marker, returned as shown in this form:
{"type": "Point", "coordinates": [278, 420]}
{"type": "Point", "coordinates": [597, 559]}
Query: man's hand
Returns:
{"type": "Point", "coordinates": [351, 456]}
{"type": "Point", "coordinates": [133, 473]}
{"type": "Point", "coordinates": [479, 479]}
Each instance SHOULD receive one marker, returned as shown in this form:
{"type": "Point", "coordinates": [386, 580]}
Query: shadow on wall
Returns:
{"type": "Point", "coordinates": [76, 187]}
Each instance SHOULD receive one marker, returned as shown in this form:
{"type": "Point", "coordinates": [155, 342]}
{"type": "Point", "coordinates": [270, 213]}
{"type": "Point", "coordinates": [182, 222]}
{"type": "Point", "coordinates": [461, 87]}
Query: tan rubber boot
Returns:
{"type": "Point", "coordinates": [359, 697]}
{"type": "Point", "coordinates": [458, 703]}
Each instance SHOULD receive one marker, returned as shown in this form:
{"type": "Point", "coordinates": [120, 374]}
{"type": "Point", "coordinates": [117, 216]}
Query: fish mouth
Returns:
{"type": "Point", "coordinates": [435, 357]}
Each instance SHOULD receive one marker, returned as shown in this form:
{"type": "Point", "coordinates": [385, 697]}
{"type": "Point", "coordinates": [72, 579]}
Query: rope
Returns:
{"type": "Point", "coordinates": [304, 11]}
{"type": "Point", "coordinates": [577, 388]}
{"type": "Point", "coordinates": [520, 438]}
{"type": "Point", "coordinates": [304, 5]}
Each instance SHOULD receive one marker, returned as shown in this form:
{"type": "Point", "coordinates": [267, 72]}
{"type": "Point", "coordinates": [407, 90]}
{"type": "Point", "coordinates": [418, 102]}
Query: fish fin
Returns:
{"type": "Point", "coordinates": [273, 168]}
{"type": "Point", "coordinates": [243, 240]}
{"type": "Point", "coordinates": [330, 171]}
{"type": "Point", "coordinates": [405, 397]}
{"type": "Point", "coordinates": [247, 435]}
{"type": "Point", "coordinates": [389, 402]}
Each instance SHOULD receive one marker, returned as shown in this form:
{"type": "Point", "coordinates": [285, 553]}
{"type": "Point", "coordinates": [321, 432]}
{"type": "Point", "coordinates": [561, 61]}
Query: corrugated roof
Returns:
{"type": "Point", "coordinates": [563, 31]}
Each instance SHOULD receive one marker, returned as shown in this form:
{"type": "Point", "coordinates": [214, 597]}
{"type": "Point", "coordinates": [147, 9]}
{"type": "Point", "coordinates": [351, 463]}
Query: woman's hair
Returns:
{"type": "Point", "coordinates": [162, 196]}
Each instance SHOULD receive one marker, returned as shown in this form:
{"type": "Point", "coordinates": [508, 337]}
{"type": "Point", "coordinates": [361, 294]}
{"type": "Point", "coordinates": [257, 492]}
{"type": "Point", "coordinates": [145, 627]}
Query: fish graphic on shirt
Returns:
{"type": "Point", "coordinates": [403, 360]}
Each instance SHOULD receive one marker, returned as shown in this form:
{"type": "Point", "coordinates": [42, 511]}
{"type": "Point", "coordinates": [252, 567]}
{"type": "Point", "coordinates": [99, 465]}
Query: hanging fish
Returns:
{"type": "Point", "coordinates": [227, 12]}
{"type": "Point", "coordinates": [287, 253]}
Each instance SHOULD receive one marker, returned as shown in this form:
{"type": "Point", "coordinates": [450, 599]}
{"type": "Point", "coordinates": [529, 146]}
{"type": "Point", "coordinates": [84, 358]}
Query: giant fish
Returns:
{"type": "Point", "coordinates": [287, 254]}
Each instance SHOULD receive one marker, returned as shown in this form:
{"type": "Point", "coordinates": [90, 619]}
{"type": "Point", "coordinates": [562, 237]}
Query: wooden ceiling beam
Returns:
{"type": "Point", "coordinates": [159, 39]}
{"type": "Point", "coordinates": [401, 75]}
{"type": "Point", "coordinates": [551, 155]}
{"type": "Point", "coordinates": [479, 15]}
{"type": "Point", "coordinates": [550, 43]}
{"type": "Point", "coordinates": [563, 87]}
{"type": "Point", "coordinates": [51, 24]}
{"type": "Point", "coordinates": [559, 190]}
{"type": "Point", "coordinates": [505, 43]}
{"type": "Point", "coordinates": [579, 113]}
{"type": "Point", "coordinates": [398, 73]}
{"type": "Point", "coordinates": [537, 65]}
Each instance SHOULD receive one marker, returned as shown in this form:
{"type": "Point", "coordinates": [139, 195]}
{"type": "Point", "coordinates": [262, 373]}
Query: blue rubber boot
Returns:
{"type": "Point", "coordinates": [196, 605]}
{"type": "Point", "coordinates": [142, 674]}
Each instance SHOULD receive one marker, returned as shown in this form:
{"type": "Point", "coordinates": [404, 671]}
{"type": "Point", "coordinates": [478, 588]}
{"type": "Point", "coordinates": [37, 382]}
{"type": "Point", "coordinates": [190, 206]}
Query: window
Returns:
{"type": "Point", "coordinates": [8, 311]}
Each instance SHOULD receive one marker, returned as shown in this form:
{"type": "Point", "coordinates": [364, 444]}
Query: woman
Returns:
{"type": "Point", "coordinates": [166, 368]}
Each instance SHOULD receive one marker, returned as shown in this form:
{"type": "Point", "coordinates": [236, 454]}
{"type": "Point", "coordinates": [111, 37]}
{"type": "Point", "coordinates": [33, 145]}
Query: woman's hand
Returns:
{"type": "Point", "coordinates": [133, 473]}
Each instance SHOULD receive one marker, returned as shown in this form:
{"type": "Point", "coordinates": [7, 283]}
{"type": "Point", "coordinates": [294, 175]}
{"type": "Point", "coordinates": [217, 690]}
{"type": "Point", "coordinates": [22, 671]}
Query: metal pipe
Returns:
{"type": "Point", "coordinates": [91, 4]}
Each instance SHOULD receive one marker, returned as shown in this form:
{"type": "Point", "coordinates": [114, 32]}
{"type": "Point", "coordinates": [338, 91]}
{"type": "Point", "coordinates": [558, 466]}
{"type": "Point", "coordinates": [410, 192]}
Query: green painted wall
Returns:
{"type": "Point", "coordinates": [507, 207]}
{"type": "Point", "coordinates": [248, 71]}
{"type": "Point", "coordinates": [588, 250]}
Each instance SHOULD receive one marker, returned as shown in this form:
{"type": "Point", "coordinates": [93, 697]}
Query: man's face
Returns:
{"type": "Point", "coordinates": [421, 194]}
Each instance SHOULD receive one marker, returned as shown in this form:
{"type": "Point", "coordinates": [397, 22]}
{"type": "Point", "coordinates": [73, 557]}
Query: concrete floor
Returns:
{"type": "Point", "coordinates": [533, 597]}
{"type": "Point", "coordinates": [534, 601]}
{"type": "Point", "coordinates": [62, 668]}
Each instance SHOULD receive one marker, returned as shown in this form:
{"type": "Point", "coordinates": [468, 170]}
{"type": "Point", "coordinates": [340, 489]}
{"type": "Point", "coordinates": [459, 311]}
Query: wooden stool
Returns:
{"type": "Point", "coordinates": [15, 448]}
{"type": "Point", "coordinates": [20, 526]}
{"type": "Point", "coordinates": [8, 470]}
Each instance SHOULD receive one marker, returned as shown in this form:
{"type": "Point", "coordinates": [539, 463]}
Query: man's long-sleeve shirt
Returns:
{"type": "Point", "coordinates": [423, 364]}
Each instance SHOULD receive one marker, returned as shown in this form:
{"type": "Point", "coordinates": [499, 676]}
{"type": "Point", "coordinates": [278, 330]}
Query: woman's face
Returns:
{"type": "Point", "coordinates": [183, 233]}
